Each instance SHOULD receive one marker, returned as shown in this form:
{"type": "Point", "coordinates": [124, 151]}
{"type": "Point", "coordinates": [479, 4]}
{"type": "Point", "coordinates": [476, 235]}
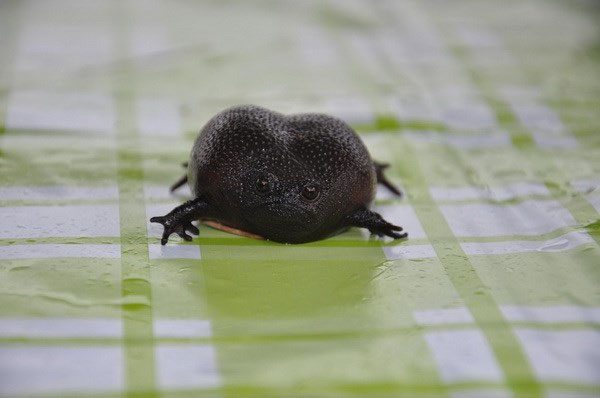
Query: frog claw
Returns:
{"type": "Point", "coordinates": [389, 230]}
{"type": "Point", "coordinates": [159, 220]}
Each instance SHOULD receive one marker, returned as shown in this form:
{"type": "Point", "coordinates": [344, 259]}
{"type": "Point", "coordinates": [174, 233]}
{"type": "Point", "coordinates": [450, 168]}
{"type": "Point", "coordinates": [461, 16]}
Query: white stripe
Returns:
{"type": "Point", "coordinates": [413, 109]}
{"type": "Point", "coordinates": [50, 250]}
{"type": "Point", "coordinates": [463, 356]}
{"type": "Point", "coordinates": [413, 50]}
{"type": "Point", "coordinates": [551, 314]}
{"type": "Point", "coordinates": [532, 217]}
{"type": "Point", "coordinates": [156, 251]}
{"type": "Point", "coordinates": [27, 370]}
{"type": "Point", "coordinates": [59, 221]}
{"type": "Point", "coordinates": [564, 242]}
{"type": "Point", "coordinates": [182, 328]}
{"type": "Point", "coordinates": [56, 48]}
{"type": "Point", "coordinates": [315, 47]}
{"type": "Point", "coordinates": [500, 193]}
{"type": "Point", "coordinates": [355, 10]}
{"type": "Point", "coordinates": [460, 93]}
{"type": "Point", "coordinates": [350, 109]}
{"type": "Point", "coordinates": [495, 140]}
{"type": "Point", "coordinates": [404, 216]}
{"type": "Point", "coordinates": [156, 192]}
{"type": "Point", "coordinates": [410, 252]}
{"type": "Point", "coordinates": [494, 59]}
{"type": "Point", "coordinates": [181, 366]}
{"type": "Point", "coordinates": [594, 200]}
{"type": "Point", "coordinates": [462, 141]}
{"type": "Point", "coordinates": [536, 117]}
{"type": "Point", "coordinates": [158, 116]}
{"type": "Point", "coordinates": [77, 112]}
{"type": "Point", "coordinates": [586, 186]}
{"type": "Point", "coordinates": [487, 49]}
{"type": "Point", "coordinates": [61, 327]}
{"type": "Point", "coordinates": [64, 40]}
{"type": "Point", "coordinates": [570, 356]}
{"type": "Point", "coordinates": [58, 192]}
{"type": "Point", "coordinates": [521, 94]}
{"type": "Point", "coordinates": [366, 55]}
{"type": "Point", "coordinates": [477, 37]}
{"type": "Point", "coordinates": [548, 141]}
{"type": "Point", "coordinates": [148, 40]}
{"type": "Point", "coordinates": [147, 7]}
{"type": "Point", "coordinates": [570, 394]}
{"type": "Point", "coordinates": [469, 116]}
{"type": "Point", "coordinates": [443, 316]}
{"type": "Point", "coordinates": [375, 139]}
{"type": "Point", "coordinates": [70, 147]}
{"type": "Point", "coordinates": [37, 12]}
{"type": "Point", "coordinates": [383, 193]}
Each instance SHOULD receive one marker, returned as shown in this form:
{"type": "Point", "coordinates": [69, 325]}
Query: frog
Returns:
{"type": "Point", "coordinates": [291, 179]}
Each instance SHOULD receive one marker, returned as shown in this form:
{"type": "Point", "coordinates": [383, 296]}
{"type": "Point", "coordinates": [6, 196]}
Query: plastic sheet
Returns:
{"type": "Point", "coordinates": [487, 112]}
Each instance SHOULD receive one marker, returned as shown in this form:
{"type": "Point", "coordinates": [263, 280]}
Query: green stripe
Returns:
{"type": "Point", "coordinates": [106, 240]}
{"type": "Point", "coordinates": [135, 267]}
{"type": "Point", "coordinates": [479, 298]}
{"type": "Point", "coordinates": [530, 155]}
{"type": "Point", "coordinates": [138, 336]}
{"type": "Point", "coordinates": [386, 122]}
{"type": "Point", "coordinates": [462, 274]}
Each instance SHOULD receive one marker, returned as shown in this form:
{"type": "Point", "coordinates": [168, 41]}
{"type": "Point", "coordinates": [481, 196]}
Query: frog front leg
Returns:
{"type": "Point", "coordinates": [179, 220]}
{"type": "Point", "coordinates": [365, 218]}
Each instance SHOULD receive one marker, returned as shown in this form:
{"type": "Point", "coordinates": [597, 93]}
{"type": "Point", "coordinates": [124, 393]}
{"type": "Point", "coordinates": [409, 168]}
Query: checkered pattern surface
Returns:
{"type": "Point", "coordinates": [487, 111]}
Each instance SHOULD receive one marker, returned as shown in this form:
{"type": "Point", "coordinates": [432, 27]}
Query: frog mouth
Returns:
{"type": "Point", "coordinates": [281, 220]}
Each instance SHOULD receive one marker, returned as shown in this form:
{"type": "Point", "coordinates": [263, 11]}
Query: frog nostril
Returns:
{"type": "Point", "coordinates": [310, 192]}
{"type": "Point", "coordinates": [263, 185]}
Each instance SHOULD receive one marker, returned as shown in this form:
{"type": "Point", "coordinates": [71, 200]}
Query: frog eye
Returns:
{"type": "Point", "coordinates": [310, 192]}
{"type": "Point", "coordinates": [263, 185]}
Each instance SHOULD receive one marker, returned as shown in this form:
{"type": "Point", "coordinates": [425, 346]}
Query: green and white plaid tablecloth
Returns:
{"type": "Point", "coordinates": [488, 111]}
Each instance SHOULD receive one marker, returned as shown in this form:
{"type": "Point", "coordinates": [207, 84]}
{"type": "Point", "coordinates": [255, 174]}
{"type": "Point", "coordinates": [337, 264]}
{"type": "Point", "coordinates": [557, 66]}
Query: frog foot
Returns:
{"type": "Point", "coordinates": [365, 218]}
{"type": "Point", "coordinates": [174, 227]}
{"type": "Point", "coordinates": [179, 220]}
{"type": "Point", "coordinates": [389, 230]}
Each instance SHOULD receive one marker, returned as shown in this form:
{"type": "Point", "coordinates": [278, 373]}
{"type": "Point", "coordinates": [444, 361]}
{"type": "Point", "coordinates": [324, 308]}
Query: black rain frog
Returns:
{"type": "Point", "coordinates": [289, 179]}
